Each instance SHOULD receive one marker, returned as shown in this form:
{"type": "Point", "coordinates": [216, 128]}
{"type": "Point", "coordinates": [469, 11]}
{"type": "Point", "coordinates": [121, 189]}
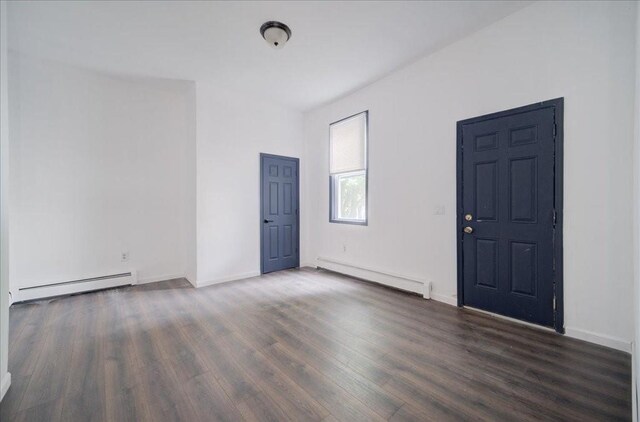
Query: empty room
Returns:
{"type": "Point", "coordinates": [319, 210]}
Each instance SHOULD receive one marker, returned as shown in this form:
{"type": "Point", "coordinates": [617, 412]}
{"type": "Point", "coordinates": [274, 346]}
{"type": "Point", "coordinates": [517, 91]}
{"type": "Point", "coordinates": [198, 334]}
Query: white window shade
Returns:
{"type": "Point", "coordinates": [347, 144]}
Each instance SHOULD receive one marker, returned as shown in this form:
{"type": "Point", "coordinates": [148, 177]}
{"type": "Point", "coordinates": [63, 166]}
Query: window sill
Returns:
{"type": "Point", "coordinates": [353, 222]}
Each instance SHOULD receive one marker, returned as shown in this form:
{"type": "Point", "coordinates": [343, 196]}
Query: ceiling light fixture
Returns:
{"type": "Point", "coordinates": [275, 33]}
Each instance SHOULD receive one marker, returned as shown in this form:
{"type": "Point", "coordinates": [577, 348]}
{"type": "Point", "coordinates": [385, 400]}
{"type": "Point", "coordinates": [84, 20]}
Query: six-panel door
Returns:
{"type": "Point", "coordinates": [280, 210]}
{"type": "Point", "coordinates": [508, 202]}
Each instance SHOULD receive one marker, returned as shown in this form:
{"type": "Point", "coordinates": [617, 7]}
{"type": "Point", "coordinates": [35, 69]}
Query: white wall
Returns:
{"type": "Point", "coordinates": [232, 131]}
{"type": "Point", "coordinates": [100, 164]}
{"type": "Point", "coordinates": [636, 178]}
{"type": "Point", "coordinates": [103, 164]}
{"type": "Point", "coordinates": [581, 51]}
{"type": "Point", "coordinates": [5, 376]}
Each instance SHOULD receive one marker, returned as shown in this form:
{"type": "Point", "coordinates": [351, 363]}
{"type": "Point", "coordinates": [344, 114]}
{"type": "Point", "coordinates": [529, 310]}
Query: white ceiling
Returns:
{"type": "Point", "coordinates": [336, 47]}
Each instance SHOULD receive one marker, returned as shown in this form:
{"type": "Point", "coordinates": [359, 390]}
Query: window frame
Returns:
{"type": "Point", "coordinates": [333, 194]}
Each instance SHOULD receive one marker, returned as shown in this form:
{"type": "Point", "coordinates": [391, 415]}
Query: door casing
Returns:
{"type": "Point", "coordinates": [558, 105]}
{"type": "Point", "coordinates": [260, 220]}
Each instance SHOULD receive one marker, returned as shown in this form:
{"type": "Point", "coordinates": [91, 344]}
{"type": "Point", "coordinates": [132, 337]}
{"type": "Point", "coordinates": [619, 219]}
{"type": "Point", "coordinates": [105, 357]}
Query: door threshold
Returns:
{"type": "Point", "coordinates": [506, 318]}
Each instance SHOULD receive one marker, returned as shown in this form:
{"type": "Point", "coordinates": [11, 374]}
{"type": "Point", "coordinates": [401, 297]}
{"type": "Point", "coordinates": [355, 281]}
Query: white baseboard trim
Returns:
{"type": "Point", "coordinates": [204, 283]}
{"type": "Point", "coordinates": [399, 281]}
{"type": "Point", "coordinates": [601, 339]}
{"type": "Point", "coordinates": [191, 280]}
{"type": "Point", "coordinates": [449, 300]}
{"type": "Point", "coordinates": [160, 278]}
{"type": "Point", "coordinates": [6, 383]}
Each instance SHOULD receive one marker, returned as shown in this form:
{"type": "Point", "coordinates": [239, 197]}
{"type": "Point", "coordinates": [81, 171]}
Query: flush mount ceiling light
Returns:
{"type": "Point", "coordinates": [275, 33]}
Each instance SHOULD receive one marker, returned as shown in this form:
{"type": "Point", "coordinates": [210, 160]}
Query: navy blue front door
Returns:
{"type": "Point", "coordinates": [507, 215]}
{"type": "Point", "coordinates": [279, 209]}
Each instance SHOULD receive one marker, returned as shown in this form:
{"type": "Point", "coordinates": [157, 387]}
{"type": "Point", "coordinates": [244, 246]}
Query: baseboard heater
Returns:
{"type": "Point", "coordinates": [74, 286]}
{"type": "Point", "coordinates": [398, 281]}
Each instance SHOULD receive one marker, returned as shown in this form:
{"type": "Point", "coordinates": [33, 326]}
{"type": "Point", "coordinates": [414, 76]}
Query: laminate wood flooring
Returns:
{"type": "Point", "coordinates": [297, 345]}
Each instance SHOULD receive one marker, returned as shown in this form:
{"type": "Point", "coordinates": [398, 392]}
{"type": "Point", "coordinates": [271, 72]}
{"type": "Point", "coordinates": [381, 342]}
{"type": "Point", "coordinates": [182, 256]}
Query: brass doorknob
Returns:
{"type": "Point", "coordinates": [468, 230]}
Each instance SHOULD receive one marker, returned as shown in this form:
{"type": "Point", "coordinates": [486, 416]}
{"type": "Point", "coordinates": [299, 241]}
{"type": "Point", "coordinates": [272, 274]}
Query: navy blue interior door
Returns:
{"type": "Point", "coordinates": [279, 210]}
{"type": "Point", "coordinates": [507, 214]}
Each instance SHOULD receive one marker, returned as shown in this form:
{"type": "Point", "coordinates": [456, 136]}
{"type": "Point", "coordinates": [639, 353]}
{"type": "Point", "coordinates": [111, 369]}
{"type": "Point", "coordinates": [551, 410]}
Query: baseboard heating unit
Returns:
{"type": "Point", "coordinates": [74, 286]}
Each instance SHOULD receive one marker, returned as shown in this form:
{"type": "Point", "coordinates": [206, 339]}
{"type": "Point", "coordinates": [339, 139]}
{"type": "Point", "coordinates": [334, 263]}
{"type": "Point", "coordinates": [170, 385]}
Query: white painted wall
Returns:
{"type": "Point", "coordinates": [5, 376]}
{"type": "Point", "coordinates": [103, 164]}
{"type": "Point", "coordinates": [100, 164]}
{"type": "Point", "coordinates": [583, 51]}
{"type": "Point", "coordinates": [232, 131]}
{"type": "Point", "coordinates": [636, 197]}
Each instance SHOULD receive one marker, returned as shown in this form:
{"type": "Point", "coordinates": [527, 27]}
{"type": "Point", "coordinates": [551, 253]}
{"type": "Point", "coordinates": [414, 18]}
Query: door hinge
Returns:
{"type": "Point", "coordinates": [555, 217]}
{"type": "Point", "coordinates": [554, 303]}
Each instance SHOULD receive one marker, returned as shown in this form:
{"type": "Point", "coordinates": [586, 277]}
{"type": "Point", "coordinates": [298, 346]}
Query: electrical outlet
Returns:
{"type": "Point", "coordinates": [344, 248]}
{"type": "Point", "coordinates": [125, 256]}
{"type": "Point", "coordinates": [439, 210]}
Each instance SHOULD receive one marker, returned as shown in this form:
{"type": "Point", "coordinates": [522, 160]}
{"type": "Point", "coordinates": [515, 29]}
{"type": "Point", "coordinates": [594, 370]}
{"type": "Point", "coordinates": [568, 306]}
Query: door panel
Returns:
{"type": "Point", "coordinates": [507, 186]}
{"type": "Point", "coordinates": [279, 213]}
{"type": "Point", "coordinates": [486, 191]}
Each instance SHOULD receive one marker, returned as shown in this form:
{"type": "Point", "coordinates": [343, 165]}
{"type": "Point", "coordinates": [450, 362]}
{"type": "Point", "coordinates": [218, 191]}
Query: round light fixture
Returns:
{"type": "Point", "coordinates": [275, 33]}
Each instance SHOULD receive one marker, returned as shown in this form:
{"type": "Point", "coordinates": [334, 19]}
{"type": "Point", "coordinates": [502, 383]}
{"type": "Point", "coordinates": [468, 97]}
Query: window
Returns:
{"type": "Point", "coordinates": [348, 169]}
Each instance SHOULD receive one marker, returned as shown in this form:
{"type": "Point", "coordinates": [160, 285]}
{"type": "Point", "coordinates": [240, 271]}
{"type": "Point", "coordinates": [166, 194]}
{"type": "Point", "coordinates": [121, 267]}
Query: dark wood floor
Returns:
{"type": "Point", "coordinates": [297, 345]}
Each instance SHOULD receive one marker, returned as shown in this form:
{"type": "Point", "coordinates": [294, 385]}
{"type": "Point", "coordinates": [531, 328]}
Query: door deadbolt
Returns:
{"type": "Point", "coordinates": [468, 217]}
{"type": "Point", "coordinates": [468, 230]}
